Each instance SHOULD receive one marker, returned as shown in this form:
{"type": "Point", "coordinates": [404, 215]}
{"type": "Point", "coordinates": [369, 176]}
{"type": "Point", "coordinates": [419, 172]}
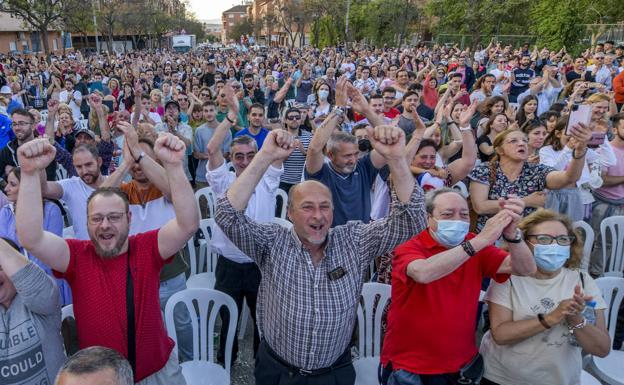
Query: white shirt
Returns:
{"type": "Point", "coordinates": [603, 75]}
{"type": "Point", "coordinates": [74, 104]}
{"type": "Point", "coordinates": [261, 206]}
{"type": "Point", "coordinates": [75, 195]}
{"type": "Point", "coordinates": [545, 98]}
{"type": "Point", "coordinates": [498, 88]}
{"type": "Point", "coordinates": [153, 115]}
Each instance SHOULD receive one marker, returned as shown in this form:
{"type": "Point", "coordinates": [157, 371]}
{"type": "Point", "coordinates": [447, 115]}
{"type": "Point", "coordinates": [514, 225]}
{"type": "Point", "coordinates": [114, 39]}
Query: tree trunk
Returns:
{"type": "Point", "coordinates": [43, 36]}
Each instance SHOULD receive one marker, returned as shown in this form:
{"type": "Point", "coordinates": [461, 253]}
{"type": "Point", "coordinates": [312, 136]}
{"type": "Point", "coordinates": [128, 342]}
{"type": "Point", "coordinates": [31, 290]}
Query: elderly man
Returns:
{"type": "Point", "coordinates": [312, 276]}
{"type": "Point", "coordinates": [439, 272]}
{"type": "Point", "coordinates": [111, 273]}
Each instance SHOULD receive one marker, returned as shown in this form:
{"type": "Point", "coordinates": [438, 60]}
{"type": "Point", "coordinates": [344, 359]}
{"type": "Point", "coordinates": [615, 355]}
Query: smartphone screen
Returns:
{"type": "Point", "coordinates": [597, 139]}
{"type": "Point", "coordinates": [581, 113]}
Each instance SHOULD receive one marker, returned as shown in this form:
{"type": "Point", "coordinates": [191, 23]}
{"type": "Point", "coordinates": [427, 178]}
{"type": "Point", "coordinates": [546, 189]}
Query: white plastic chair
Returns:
{"type": "Point", "coordinates": [369, 330]}
{"type": "Point", "coordinates": [612, 228]}
{"type": "Point", "coordinates": [589, 235]}
{"type": "Point", "coordinates": [283, 222]}
{"type": "Point", "coordinates": [610, 369]}
{"type": "Point", "coordinates": [284, 197]}
{"type": "Point", "coordinates": [61, 172]}
{"type": "Point", "coordinates": [44, 115]}
{"type": "Point", "coordinates": [210, 197]}
{"type": "Point", "coordinates": [68, 232]}
{"type": "Point", "coordinates": [202, 270]}
{"type": "Point", "coordinates": [204, 306]}
{"type": "Point", "coordinates": [462, 189]}
{"type": "Point", "coordinates": [84, 124]}
{"type": "Point", "coordinates": [67, 312]}
{"type": "Point", "coordinates": [588, 379]}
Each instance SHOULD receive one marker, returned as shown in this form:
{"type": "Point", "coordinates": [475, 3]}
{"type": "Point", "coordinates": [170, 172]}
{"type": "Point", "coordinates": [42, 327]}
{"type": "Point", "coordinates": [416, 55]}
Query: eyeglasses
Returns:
{"type": "Point", "coordinates": [293, 117]}
{"type": "Point", "coordinates": [205, 95]}
{"type": "Point", "coordinates": [111, 217]}
{"type": "Point", "coordinates": [21, 124]}
{"type": "Point", "coordinates": [182, 99]}
{"type": "Point", "coordinates": [545, 239]}
{"type": "Point", "coordinates": [516, 141]}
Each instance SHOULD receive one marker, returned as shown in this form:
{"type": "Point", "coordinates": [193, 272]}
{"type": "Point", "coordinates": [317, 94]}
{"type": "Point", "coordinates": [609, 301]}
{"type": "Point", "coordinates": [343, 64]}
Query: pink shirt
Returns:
{"type": "Point", "coordinates": [617, 191]}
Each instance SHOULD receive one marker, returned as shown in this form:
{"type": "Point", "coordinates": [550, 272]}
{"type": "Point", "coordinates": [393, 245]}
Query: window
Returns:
{"type": "Point", "coordinates": [54, 44]}
{"type": "Point", "coordinates": [231, 24]}
{"type": "Point", "coordinates": [231, 15]}
{"type": "Point", "coordinates": [12, 46]}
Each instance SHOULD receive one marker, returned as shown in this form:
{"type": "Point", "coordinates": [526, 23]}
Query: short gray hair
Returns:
{"type": "Point", "coordinates": [244, 140]}
{"type": "Point", "coordinates": [340, 137]}
{"type": "Point", "coordinates": [95, 359]}
{"type": "Point", "coordinates": [433, 194]}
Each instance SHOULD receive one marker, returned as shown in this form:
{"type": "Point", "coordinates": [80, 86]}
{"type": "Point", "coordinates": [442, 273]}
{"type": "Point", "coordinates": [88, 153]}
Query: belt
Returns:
{"type": "Point", "coordinates": [343, 361]}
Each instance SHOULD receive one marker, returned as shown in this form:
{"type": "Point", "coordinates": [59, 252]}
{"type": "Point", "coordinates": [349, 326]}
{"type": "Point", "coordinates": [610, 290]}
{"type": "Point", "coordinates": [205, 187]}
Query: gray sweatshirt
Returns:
{"type": "Point", "coordinates": [31, 346]}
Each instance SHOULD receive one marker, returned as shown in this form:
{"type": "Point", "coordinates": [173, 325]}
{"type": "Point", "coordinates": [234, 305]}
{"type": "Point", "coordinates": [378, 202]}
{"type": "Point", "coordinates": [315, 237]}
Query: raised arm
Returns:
{"type": "Point", "coordinates": [460, 168]}
{"type": "Point", "coordinates": [95, 102]}
{"type": "Point", "coordinates": [560, 179]}
{"type": "Point", "coordinates": [278, 146]}
{"type": "Point", "coordinates": [213, 148]}
{"type": "Point", "coordinates": [34, 157]}
{"type": "Point", "coordinates": [281, 94]}
{"type": "Point", "coordinates": [173, 236]}
{"type": "Point", "coordinates": [136, 116]}
{"type": "Point", "coordinates": [49, 127]}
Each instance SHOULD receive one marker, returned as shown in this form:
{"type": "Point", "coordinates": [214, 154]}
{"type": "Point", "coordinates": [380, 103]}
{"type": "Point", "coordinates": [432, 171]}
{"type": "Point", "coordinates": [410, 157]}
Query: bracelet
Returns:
{"type": "Point", "coordinates": [579, 157]}
{"type": "Point", "coordinates": [580, 325]}
{"type": "Point", "coordinates": [541, 319]}
{"type": "Point", "coordinates": [228, 119]}
{"type": "Point", "coordinates": [468, 248]}
{"type": "Point", "coordinates": [467, 128]}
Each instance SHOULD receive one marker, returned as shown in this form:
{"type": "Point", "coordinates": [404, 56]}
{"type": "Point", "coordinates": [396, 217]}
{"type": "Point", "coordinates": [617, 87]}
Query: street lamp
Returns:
{"type": "Point", "coordinates": [97, 42]}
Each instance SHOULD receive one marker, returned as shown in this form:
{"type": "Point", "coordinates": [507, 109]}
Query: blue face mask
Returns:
{"type": "Point", "coordinates": [551, 257]}
{"type": "Point", "coordinates": [323, 94]}
{"type": "Point", "coordinates": [451, 233]}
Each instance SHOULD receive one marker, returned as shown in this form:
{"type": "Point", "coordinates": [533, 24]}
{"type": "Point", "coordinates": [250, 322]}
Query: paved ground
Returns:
{"type": "Point", "coordinates": [242, 371]}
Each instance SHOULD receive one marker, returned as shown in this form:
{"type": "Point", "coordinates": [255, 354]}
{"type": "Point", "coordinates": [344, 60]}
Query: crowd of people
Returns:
{"type": "Point", "coordinates": [451, 170]}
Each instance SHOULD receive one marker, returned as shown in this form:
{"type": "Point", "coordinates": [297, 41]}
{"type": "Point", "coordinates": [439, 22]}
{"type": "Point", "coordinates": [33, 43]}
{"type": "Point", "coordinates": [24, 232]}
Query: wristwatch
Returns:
{"type": "Point", "coordinates": [516, 239]}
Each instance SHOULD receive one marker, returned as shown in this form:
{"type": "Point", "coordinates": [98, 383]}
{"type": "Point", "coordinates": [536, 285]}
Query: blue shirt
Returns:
{"type": "Point", "coordinates": [6, 133]}
{"type": "Point", "coordinates": [351, 193]}
{"type": "Point", "coordinates": [258, 138]}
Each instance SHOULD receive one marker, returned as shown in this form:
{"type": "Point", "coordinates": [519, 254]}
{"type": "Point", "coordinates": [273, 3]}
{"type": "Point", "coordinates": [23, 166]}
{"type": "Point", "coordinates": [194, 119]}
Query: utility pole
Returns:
{"type": "Point", "coordinates": [347, 22]}
{"type": "Point", "coordinates": [97, 42]}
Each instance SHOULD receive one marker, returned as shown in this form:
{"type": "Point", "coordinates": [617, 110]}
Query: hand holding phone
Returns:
{"type": "Point", "coordinates": [581, 113]}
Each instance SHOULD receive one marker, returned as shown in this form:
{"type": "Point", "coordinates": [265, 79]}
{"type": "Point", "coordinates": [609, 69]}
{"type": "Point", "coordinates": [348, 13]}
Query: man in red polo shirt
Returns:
{"type": "Point", "coordinates": [436, 281]}
{"type": "Point", "coordinates": [101, 271]}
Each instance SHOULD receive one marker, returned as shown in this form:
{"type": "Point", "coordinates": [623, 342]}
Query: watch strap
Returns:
{"type": "Point", "coordinates": [468, 248]}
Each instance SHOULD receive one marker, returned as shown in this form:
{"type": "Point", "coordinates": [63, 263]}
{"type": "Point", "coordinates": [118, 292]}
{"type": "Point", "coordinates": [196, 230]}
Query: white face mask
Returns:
{"type": "Point", "coordinates": [323, 94]}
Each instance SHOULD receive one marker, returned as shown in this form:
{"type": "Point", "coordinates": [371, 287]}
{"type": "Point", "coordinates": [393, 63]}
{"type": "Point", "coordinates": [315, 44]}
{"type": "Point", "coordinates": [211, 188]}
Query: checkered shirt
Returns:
{"type": "Point", "coordinates": [306, 317]}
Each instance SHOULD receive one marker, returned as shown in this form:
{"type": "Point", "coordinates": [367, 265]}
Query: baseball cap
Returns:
{"type": "Point", "coordinates": [85, 131]}
{"type": "Point", "coordinates": [173, 102]}
{"type": "Point", "coordinates": [5, 90]}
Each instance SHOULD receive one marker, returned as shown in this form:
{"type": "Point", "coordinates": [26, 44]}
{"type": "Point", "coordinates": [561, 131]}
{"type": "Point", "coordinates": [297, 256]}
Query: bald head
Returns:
{"type": "Point", "coordinates": [311, 186]}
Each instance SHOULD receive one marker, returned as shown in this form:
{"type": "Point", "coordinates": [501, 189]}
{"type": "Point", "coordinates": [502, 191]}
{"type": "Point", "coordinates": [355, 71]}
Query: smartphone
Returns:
{"type": "Point", "coordinates": [581, 113]}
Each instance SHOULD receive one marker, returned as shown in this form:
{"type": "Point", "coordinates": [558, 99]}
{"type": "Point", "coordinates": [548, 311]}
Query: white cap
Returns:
{"type": "Point", "coordinates": [5, 90]}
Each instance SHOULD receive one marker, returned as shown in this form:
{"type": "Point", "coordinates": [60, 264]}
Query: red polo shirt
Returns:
{"type": "Point", "coordinates": [99, 293]}
{"type": "Point", "coordinates": [431, 327]}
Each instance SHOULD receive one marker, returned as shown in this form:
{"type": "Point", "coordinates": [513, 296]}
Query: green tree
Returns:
{"type": "Point", "coordinates": [41, 15]}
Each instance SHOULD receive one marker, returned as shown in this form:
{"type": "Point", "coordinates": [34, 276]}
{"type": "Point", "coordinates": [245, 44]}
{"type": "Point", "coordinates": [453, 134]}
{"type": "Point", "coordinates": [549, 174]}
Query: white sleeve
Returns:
{"type": "Point", "coordinates": [556, 159]}
{"type": "Point", "coordinates": [219, 179]}
{"type": "Point", "coordinates": [271, 179]}
{"type": "Point", "coordinates": [500, 293]}
{"type": "Point", "coordinates": [606, 155]}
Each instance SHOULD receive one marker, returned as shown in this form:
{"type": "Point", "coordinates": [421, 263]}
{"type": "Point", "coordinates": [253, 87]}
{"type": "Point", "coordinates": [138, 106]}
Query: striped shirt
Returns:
{"type": "Point", "coordinates": [305, 317]}
{"type": "Point", "coordinates": [293, 166]}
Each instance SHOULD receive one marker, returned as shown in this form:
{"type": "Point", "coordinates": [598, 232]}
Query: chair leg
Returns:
{"type": "Point", "coordinates": [243, 320]}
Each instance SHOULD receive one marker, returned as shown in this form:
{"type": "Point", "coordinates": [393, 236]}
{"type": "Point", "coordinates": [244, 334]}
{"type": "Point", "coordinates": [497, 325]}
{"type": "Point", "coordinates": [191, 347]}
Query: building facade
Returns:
{"type": "Point", "coordinates": [16, 36]}
{"type": "Point", "coordinates": [229, 19]}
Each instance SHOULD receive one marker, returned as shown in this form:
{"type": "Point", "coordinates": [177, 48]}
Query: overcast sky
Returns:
{"type": "Point", "coordinates": [211, 9]}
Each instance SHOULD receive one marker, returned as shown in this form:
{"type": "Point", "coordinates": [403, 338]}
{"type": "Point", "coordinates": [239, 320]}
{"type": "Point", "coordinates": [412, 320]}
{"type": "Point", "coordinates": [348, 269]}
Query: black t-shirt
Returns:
{"type": "Point", "coordinates": [208, 79]}
{"type": "Point", "coordinates": [522, 78]}
{"type": "Point", "coordinates": [482, 156]}
{"type": "Point", "coordinates": [573, 75]}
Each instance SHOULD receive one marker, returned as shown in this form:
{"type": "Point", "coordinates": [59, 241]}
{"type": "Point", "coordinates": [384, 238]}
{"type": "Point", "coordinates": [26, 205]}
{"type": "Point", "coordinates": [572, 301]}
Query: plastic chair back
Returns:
{"type": "Point", "coordinates": [283, 222]}
{"type": "Point", "coordinates": [588, 242]}
{"type": "Point", "coordinates": [612, 289]}
{"type": "Point", "coordinates": [207, 226]}
{"type": "Point", "coordinates": [283, 195]}
{"type": "Point", "coordinates": [207, 194]}
{"type": "Point", "coordinates": [67, 312]}
{"type": "Point", "coordinates": [203, 305]}
{"type": "Point", "coordinates": [612, 229]}
{"type": "Point", "coordinates": [369, 321]}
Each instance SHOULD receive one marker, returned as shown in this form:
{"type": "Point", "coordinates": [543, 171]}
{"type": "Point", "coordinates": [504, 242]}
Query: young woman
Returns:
{"type": "Point", "coordinates": [491, 106]}
{"type": "Point", "coordinates": [536, 133]}
{"type": "Point", "coordinates": [126, 98]}
{"type": "Point", "coordinates": [527, 110]}
{"type": "Point", "coordinates": [538, 330]}
{"type": "Point", "coordinates": [497, 124]}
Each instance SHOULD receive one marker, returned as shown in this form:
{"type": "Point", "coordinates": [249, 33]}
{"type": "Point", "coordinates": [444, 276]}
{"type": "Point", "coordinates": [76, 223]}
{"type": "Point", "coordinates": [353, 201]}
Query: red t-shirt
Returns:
{"type": "Point", "coordinates": [431, 327]}
{"type": "Point", "coordinates": [392, 113]}
{"type": "Point", "coordinates": [99, 293]}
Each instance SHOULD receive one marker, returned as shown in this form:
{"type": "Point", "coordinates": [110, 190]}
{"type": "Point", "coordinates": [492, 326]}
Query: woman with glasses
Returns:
{"type": "Point", "coordinates": [538, 328]}
{"type": "Point", "coordinates": [52, 222]}
{"type": "Point", "coordinates": [509, 173]}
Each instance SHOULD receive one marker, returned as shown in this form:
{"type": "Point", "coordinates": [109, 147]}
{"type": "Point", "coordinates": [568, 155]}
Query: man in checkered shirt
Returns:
{"type": "Point", "coordinates": [312, 275]}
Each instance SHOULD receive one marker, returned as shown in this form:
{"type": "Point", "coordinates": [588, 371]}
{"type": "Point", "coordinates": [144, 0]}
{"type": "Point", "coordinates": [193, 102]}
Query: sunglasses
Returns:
{"type": "Point", "coordinates": [293, 117]}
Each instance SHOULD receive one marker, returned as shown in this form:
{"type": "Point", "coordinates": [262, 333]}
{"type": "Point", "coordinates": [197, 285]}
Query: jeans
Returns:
{"type": "Point", "coordinates": [181, 316]}
{"type": "Point", "coordinates": [403, 377]}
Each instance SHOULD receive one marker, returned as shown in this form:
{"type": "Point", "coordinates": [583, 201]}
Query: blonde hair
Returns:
{"type": "Point", "coordinates": [597, 98]}
{"type": "Point", "coordinates": [542, 215]}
